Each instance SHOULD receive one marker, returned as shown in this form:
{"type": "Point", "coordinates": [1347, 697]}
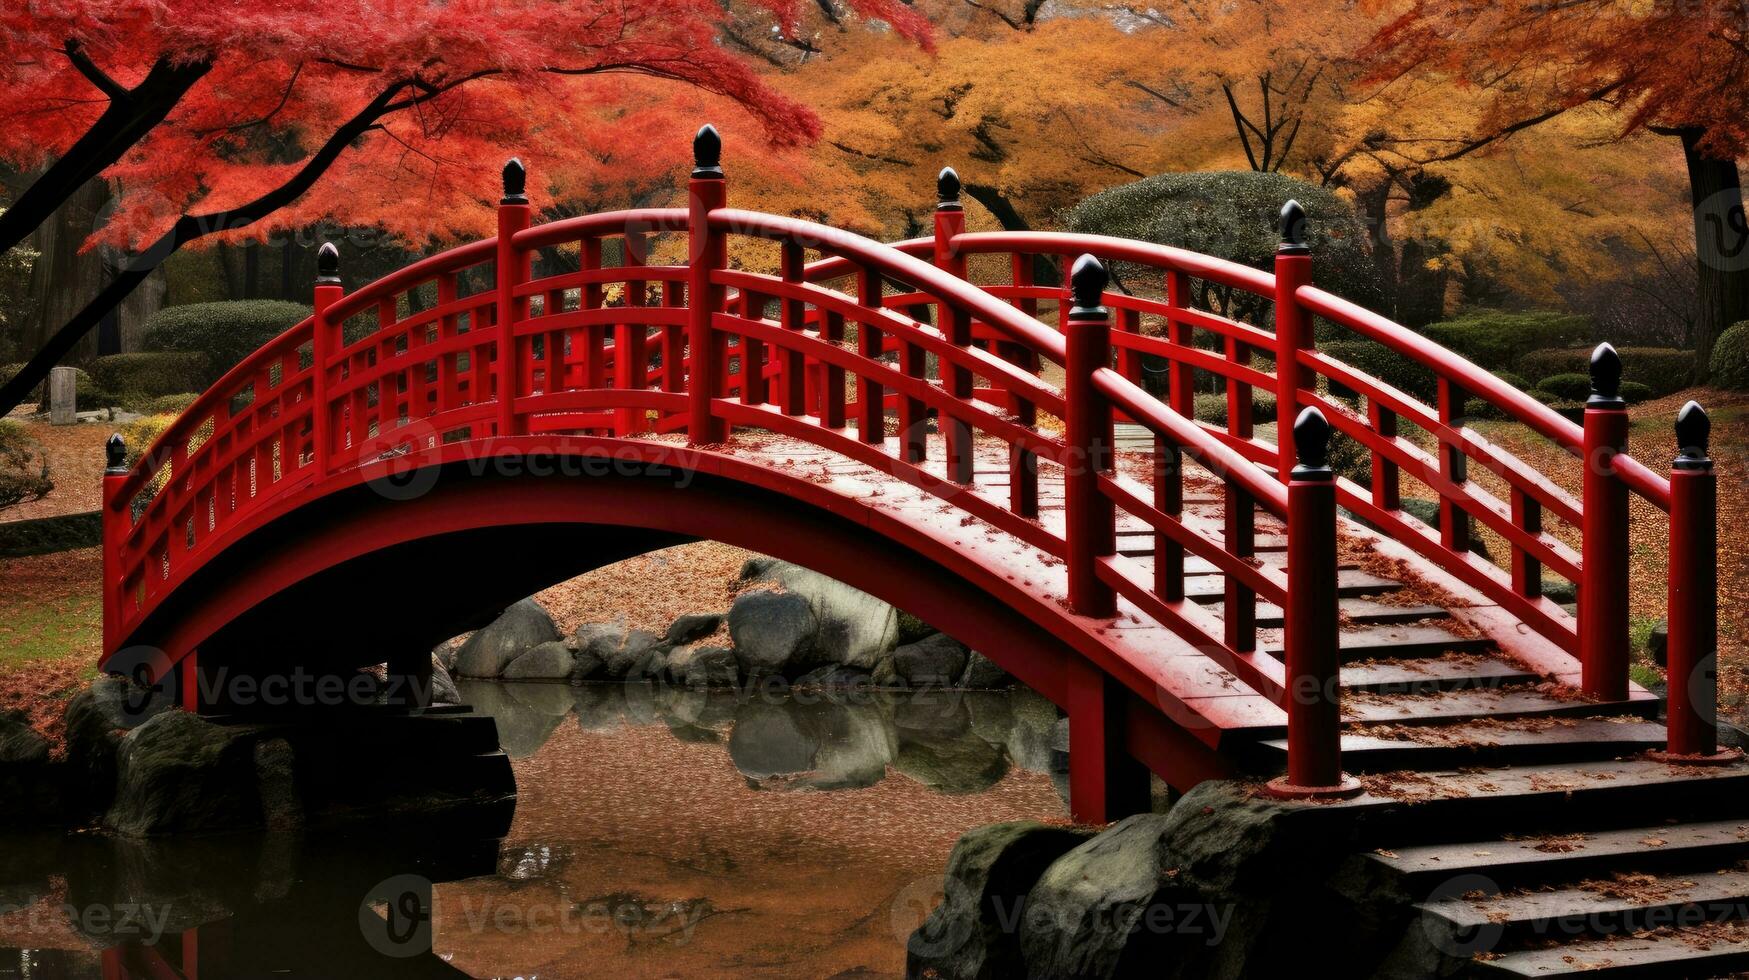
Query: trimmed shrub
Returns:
{"type": "Point", "coordinates": [1633, 392]}
{"type": "Point", "coordinates": [224, 332]}
{"type": "Point", "coordinates": [1234, 215]}
{"type": "Point", "coordinates": [86, 392]}
{"type": "Point", "coordinates": [1567, 387]}
{"type": "Point", "coordinates": [1664, 370]}
{"type": "Point", "coordinates": [1546, 397]}
{"type": "Point", "coordinates": [169, 404]}
{"type": "Point", "coordinates": [1514, 380]}
{"type": "Point", "coordinates": [142, 432]}
{"type": "Point", "coordinates": [1476, 408]}
{"type": "Point", "coordinates": [24, 470]}
{"type": "Point", "coordinates": [1730, 361]}
{"type": "Point", "coordinates": [1496, 339]}
{"type": "Point", "coordinates": [135, 379]}
{"type": "Point", "coordinates": [1212, 408]}
{"type": "Point", "coordinates": [1384, 364]}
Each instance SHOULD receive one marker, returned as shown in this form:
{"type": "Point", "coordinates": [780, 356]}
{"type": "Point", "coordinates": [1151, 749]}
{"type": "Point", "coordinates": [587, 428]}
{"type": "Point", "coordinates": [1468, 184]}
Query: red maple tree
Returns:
{"type": "Point", "coordinates": [209, 118]}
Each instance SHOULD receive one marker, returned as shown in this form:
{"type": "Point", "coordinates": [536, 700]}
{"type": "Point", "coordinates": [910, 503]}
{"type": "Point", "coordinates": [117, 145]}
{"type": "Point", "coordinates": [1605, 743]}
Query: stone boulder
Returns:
{"type": "Point", "coordinates": [769, 741]}
{"type": "Point", "coordinates": [853, 628]}
{"type": "Point", "coordinates": [773, 632]}
{"type": "Point", "coordinates": [521, 628]}
{"type": "Point", "coordinates": [96, 719]}
{"type": "Point", "coordinates": [692, 627]}
{"type": "Point", "coordinates": [610, 651]}
{"type": "Point", "coordinates": [443, 689]}
{"type": "Point", "coordinates": [974, 934]}
{"type": "Point", "coordinates": [937, 660]}
{"type": "Point", "coordinates": [551, 661]}
{"type": "Point", "coordinates": [20, 744]}
{"type": "Point", "coordinates": [29, 786]}
{"type": "Point", "coordinates": [447, 651]}
{"type": "Point", "coordinates": [1224, 884]}
{"type": "Point", "coordinates": [983, 674]}
{"type": "Point", "coordinates": [704, 666]}
{"type": "Point", "coordinates": [181, 774]}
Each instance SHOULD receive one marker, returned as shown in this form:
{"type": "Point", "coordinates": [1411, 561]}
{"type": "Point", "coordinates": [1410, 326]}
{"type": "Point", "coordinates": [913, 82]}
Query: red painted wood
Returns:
{"type": "Point", "coordinates": [1088, 517]}
{"type": "Point", "coordinates": [709, 251]}
{"type": "Point", "coordinates": [1603, 589]}
{"type": "Point", "coordinates": [1692, 646]}
{"type": "Point", "coordinates": [1311, 636]}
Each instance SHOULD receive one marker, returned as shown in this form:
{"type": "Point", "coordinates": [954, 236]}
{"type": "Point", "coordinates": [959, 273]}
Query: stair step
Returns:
{"type": "Point", "coordinates": [1535, 740]}
{"type": "Point", "coordinates": [1349, 582]}
{"type": "Point", "coordinates": [1441, 707]}
{"type": "Point", "coordinates": [1398, 642]}
{"type": "Point", "coordinates": [1707, 952]}
{"type": "Point", "coordinates": [1709, 844]}
{"type": "Point", "coordinates": [1606, 906]}
{"type": "Point", "coordinates": [1360, 610]}
{"type": "Point", "coordinates": [1425, 675]}
{"type": "Point", "coordinates": [1427, 807]}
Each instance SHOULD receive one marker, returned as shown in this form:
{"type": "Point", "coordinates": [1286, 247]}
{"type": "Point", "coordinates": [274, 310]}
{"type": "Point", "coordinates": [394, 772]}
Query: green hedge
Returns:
{"type": "Point", "coordinates": [1384, 364]}
{"type": "Point", "coordinates": [1495, 339]}
{"type": "Point", "coordinates": [1730, 362]}
{"type": "Point", "coordinates": [1213, 408]}
{"type": "Point", "coordinates": [1663, 370]}
{"type": "Point", "coordinates": [224, 333]}
{"type": "Point", "coordinates": [1567, 387]}
{"type": "Point", "coordinates": [135, 379]}
{"type": "Point", "coordinates": [24, 470]}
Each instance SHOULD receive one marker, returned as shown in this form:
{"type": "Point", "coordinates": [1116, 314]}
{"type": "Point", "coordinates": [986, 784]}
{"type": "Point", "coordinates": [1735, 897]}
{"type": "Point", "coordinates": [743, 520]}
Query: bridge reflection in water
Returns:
{"type": "Point", "coordinates": [657, 830]}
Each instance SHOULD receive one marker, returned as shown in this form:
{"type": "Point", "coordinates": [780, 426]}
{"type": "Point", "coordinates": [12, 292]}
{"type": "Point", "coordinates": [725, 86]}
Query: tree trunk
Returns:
{"type": "Point", "coordinates": [251, 270]}
{"type": "Point", "coordinates": [1044, 272]}
{"type": "Point", "coordinates": [1721, 245]}
{"type": "Point", "coordinates": [62, 276]}
{"type": "Point", "coordinates": [1374, 204]}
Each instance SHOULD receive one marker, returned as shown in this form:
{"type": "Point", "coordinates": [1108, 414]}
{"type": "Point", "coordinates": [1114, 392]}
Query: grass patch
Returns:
{"type": "Point", "coordinates": [50, 629]}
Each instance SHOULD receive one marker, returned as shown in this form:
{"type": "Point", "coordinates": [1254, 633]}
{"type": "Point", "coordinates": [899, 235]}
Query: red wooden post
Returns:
{"type": "Point", "coordinates": [1603, 587]}
{"type": "Point", "coordinates": [1311, 640]}
{"type": "Point", "coordinates": [117, 520]}
{"type": "Point", "coordinates": [1105, 782]}
{"type": "Point", "coordinates": [1182, 396]}
{"type": "Point", "coordinates": [1090, 524]}
{"type": "Point", "coordinates": [631, 359]}
{"type": "Point", "coordinates": [950, 220]}
{"type": "Point", "coordinates": [1693, 609]}
{"type": "Point", "coordinates": [708, 252]}
{"type": "Point", "coordinates": [325, 340]}
{"type": "Point", "coordinates": [513, 268]}
{"type": "Point", "coordinates": [1293, 328]}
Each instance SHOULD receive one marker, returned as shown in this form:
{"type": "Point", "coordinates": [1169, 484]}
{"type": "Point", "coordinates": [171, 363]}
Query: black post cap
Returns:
{"type": "Point", "coordinates": [1605, 378]}
{"type": "Point", "coordinates": [1312, 445]}
{"type": "Point", "coordinates": [115, 454]}
{"type": "Point", "coordinates": [1293, 229]}
{"type": "Point", "coordinates": [947, 190]}
{"type": "Point", "coordinates": [328, 265]}
{"type": "Point", "coordinates": [1693, 431]}
{"type": "Point", "coordinates": [515, 182]}
{"type": "Point", "coordinates": [1087, 281]}
{"type": "Point", "coordinates": [707, 152]}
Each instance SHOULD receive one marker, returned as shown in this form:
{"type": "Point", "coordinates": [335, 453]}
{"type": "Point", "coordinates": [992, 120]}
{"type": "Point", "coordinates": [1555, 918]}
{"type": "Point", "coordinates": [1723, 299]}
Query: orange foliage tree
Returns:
{"type": "Point", "coordinates": [209, 118]}
{"type": "Point", "coordinates": [1676, 69]}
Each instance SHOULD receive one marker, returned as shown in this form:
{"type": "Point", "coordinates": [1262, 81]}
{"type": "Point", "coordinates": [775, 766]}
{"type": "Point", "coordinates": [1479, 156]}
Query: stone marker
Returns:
{"type": "Point", "coordinates": [62, 407]}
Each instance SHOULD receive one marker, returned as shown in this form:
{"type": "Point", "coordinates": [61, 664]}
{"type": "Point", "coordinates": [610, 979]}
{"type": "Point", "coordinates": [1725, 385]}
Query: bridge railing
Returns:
{"type": "Point", "coordinates": [1163, 324]}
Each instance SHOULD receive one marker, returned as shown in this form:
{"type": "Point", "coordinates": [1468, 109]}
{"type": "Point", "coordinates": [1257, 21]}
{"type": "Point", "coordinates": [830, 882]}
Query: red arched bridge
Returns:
{"type": "Point", "coordinates": [907, 418]}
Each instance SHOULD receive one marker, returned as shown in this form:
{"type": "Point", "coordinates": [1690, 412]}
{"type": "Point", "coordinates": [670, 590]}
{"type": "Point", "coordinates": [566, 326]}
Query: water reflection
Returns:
{"type": "Point", "coordinates": [954, 742]}
{"type": "Point", "coordinates": [658, 832]}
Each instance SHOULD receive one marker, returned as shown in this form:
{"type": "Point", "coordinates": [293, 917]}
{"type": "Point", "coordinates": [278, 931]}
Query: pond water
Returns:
{"type": "Point", "coordinates": [657, 832]}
